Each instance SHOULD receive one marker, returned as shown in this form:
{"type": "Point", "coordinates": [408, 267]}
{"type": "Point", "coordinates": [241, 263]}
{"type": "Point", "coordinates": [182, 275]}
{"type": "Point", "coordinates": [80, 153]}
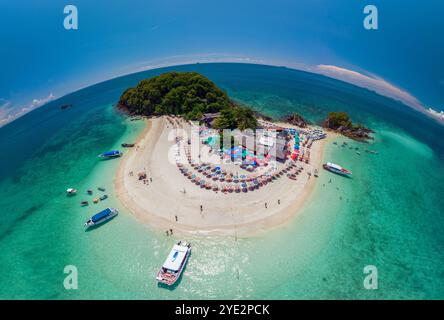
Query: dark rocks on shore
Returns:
{"type": "Point", "coordinates": [341, 123]}
{"type": "Point", "coordinates": [296, 120]}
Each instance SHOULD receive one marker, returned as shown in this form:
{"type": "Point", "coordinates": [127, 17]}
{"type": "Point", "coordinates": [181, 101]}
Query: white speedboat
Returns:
{"type": "Point", "coordinates": [101, 217]}
{"type": "Point", "coordinates": [71, 191]}
{"type": "Point", "coordinates": [174, 264]}
{"type": "Point", "coordinates": [335, 168]}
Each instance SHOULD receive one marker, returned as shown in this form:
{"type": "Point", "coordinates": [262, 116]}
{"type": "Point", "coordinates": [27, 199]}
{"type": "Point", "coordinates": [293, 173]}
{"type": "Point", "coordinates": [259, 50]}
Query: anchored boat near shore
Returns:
{"type": "Point", "coordinates": [174, 264]}
{"type": "Point", "coordinates": [110, 154]}
{"type": "Point", "coordinates": [101, 217]}
{"type": "Point", "coordinates": [335, 168]}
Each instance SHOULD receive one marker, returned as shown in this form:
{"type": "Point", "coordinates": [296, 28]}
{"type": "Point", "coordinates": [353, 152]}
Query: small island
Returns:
{"type": "Point", "coordinates": [250, 182]}
{"type": "Point", "coordinates": [340, 122]}
{"type": "Point", "coordinates": [189, 95]}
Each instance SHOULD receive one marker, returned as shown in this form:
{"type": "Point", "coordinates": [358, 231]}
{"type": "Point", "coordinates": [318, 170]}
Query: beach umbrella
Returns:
{"type": "Point", "coordinates": [215, 187]}
{"type": "Point", "coordinates": [237, 188]}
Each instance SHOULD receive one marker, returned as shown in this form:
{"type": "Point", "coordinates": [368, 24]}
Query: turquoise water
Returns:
{"type": "Point", "coordinates": [389, 215]}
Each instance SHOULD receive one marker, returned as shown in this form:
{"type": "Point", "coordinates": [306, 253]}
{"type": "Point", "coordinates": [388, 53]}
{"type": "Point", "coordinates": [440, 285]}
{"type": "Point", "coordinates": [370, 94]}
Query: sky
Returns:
{"type": "Point", "coordinates": [40, 60]}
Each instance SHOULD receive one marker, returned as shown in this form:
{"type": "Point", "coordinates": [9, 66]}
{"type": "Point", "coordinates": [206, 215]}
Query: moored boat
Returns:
{"type": "Point", "coordinates": [127, 145]}
{"type": "Point", "coordinates": [110, 154]}
{"type": "Point", "coordinates": [65, 106]}
{"type": "Point", "coordinates": [101, 217]}
{"type": "Point", "coordinates": [174, 263]}
{"type": "Point", "coordinates": [335, 168]}
{"type": "Point", "coordinates": [84, 203]}
{"type": "Point", "coordinates": [71, 191]}
{"type": "Point", "coordinates": [103, 197]}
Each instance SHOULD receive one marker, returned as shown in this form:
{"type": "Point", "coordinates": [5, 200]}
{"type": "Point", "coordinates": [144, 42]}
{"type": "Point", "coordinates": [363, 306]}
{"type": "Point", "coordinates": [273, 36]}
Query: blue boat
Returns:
{"type": "Point", "coordinates": [101, 217]}
{"type": "Point", "coordinates": [111, 154]}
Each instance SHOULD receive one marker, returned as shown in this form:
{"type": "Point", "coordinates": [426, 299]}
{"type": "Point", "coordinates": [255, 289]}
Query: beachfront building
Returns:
{"type": "Point", "coordinates": [263, 143]}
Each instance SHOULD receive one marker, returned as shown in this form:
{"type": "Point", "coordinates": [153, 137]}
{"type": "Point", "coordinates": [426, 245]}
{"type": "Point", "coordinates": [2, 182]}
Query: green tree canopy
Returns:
{"type": "Point", "coordinates": [188, 94]}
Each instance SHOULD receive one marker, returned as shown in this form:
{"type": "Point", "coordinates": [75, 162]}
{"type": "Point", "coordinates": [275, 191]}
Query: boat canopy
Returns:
{"type": "Point", "coordinates": [334, 165]}
{"type": "Point", "coordinates": [175, 258]}
{"type": "Point", "coordinates": [111, 153]}
{"type": "Point", "coordinates": [101, 215]}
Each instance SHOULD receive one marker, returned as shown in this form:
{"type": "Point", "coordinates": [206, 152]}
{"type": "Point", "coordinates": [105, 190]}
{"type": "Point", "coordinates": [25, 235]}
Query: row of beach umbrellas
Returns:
{"type": "Point", "coordinates": [229, 183]}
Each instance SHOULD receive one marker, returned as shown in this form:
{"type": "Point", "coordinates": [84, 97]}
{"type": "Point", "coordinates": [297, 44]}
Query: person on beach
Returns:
{"type": "Point", "coordinates": [201, 208]}
{"type": "Point", "coordinates": [265, 205]}
{"type": "Point", "coordinates": [279, 201]}
{"type": "Point", "coordinates": [175, 217]}
{"type": "Point", "coordinates": [171, 231]}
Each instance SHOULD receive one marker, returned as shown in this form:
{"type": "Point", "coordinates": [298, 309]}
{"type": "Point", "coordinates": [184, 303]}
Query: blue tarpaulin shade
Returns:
{"type": "Point", "coordinates": [100, 215]}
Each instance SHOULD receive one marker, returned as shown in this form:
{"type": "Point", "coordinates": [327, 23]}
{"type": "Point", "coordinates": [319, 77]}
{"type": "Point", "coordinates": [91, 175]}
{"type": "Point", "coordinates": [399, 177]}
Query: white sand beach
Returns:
{"type": "Point", "coordinates": [168, 195]}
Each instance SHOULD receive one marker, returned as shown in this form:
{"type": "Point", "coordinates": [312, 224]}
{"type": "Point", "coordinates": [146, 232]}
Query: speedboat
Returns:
{"type": "Point", "coordinates": [174, 263]}
{"type": "Point", "coordinates": [71, 191]}
{"type": "Point", "coordinates": [111, 154]}
{"type": "Point", "coordinates": [335, 168]}
{"type": "Point", "coordinates": [101, 217]}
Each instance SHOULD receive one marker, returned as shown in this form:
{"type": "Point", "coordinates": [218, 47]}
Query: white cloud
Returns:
{"type": "Point", "coordinates": [436, 114]}
{"type": "Point", "coordinates": [371, 82]}
{"type": "Point", "coordinates": [8, 112]}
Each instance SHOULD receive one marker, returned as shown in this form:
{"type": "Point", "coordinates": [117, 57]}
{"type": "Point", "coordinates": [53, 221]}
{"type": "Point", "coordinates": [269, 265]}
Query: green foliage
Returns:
{"type": "Point", "coordinates": [339, 119]}
{"type": "Point", "coordinates": [187, 94]}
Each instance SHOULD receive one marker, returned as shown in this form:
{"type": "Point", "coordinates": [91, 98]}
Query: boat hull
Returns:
{"type": "Point", "coordinates": [337, 171]}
